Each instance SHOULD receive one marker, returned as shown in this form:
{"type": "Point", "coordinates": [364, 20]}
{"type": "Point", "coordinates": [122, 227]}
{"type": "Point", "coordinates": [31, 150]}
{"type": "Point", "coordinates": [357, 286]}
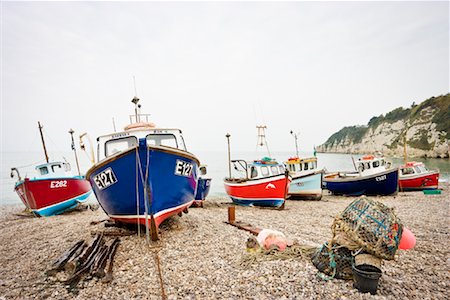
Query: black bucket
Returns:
{"type": "Point", "coordinates": [366, 278]}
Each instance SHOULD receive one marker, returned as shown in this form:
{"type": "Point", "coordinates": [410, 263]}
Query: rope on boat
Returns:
{"type": "Point", "coordinates": [137, 194]}
{"type": "Point", "coordinates": [161, 282]}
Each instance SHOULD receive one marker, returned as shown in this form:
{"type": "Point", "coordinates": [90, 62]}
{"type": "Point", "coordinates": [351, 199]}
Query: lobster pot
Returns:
{"type": "Point", "coordinates": [371, 225]}
{"type": "Point", "coordinates": [335, 261]}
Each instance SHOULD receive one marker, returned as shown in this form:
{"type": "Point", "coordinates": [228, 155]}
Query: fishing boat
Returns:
{"type": "Point", "coordinates": [265, 183]}
{"type": "Point", "coordinates": [54, 189]}
{"type": "Point", "coordinates": [203, 187]}
{"type": "Point", "coordinates": [306, 178]}
{"type": "Point", "coordinates": [374, 176]}
{"type": "Point", "coordinates": [144, 174]}
{"type": "Point", "coordinates": [261, 182]}
{"type": "Point", "coordinates": [306, 181]}
{"type": "Point", "coordinates": [416, 176]}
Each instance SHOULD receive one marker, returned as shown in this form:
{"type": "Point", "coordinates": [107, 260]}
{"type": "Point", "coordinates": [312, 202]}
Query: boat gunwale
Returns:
{"type": "Point", "coordinates": [164, 149]}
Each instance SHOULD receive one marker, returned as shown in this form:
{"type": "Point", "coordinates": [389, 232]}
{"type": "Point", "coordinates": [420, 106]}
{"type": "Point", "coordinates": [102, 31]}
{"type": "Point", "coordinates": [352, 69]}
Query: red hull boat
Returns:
{"type": "Point", "coordinates": [415, 176]}
{"type": "Point", "coordinates": [47, 197]}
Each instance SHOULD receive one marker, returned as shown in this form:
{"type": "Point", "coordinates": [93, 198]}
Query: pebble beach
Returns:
{"type": "Point", "coordinates": [202, 257]}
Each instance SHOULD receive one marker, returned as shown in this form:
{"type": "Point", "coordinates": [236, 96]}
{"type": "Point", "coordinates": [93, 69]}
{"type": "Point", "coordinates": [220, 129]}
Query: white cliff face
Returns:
{"type": "Point", "coordinates": [423, 140]}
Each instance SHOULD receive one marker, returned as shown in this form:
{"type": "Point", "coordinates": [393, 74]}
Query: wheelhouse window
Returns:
{"type": "Point", "coordinates": [306, 166]}
{"type": "Point", "coordinates": [168, 140]}
{"type": "Point", "coordinates": [281, 169]}
{"type": "Point", "coordinates": [253, 172]}
{"type": "Point", "coordinates": [376, 164]}
{"type": "Point", "coordinates": [407, 171]}
{"type": "Point", "coordinates": [264, 171]}
{"type": "Point", "coordinates": [118, 145]}
{"type": "Point", "coordinates": [43, 170]}
{"type": "Point", "coordinates": [55, 168]}
{"type": "Point", "coordinates": [274, 170]}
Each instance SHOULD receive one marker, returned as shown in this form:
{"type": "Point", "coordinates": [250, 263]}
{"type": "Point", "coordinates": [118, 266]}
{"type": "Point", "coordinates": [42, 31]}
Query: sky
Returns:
{"type": "Point", "coordinates": [211, 68]}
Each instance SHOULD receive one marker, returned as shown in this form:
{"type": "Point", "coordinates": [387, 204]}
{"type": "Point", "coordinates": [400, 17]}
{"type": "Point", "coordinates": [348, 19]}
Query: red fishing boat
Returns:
{"type": "Point", "coordinates": [262, 182]}
{"type": "Point", "coordinates": [265, 184]}
{"type": "Point", "coordinates": [54, 189]}
{"type": "Point", "coordinates": [415, 176]}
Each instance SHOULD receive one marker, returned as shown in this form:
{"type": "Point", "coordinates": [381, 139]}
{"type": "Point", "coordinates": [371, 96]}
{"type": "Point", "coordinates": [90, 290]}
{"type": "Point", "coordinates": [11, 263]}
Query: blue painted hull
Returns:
{"type": "Point", "coordinates": [384, 183]}
{"type": "Point", "coordinates": [258, 202]}
{"type": "Point", "coordinates": [203, 187]}
{"type": "Point", "coordinates": [166, 192]}
{"type": "Point", "coordinates": [306, 187]}
{"type": "Point", "coordinates": [63, 206]}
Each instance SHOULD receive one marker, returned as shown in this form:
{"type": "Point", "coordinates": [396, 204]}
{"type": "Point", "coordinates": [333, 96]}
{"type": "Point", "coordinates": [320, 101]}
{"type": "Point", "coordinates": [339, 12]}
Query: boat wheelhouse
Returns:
{"type": "Point", "coordinates": [264, 183]}
{"type": "Point", "coordinates": [144, 174]}
{"type": "Point", "coordinates": [374, 176]}
{"type": "Point", "coordinates": [416, 176]}
{"type": "Point", "coordinates": [306, 178]}
{"type": "Point", "coordinates": [203, 187]}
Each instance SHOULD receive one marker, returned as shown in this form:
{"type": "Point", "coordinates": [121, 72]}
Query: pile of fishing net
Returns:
{"type": "Point", "coordinates": [366, 232]}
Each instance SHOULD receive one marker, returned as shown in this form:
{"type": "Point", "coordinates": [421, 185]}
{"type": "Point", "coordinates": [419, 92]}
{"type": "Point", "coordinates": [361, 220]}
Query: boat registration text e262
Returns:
{"type": "Point", "coordinates": [183, 168]}
{"type": "Point", "coordinates": [105, 178]}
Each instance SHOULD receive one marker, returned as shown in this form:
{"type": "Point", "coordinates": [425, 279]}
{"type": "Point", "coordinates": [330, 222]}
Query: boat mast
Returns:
{"type": "Point", "coordinates": [262, 138]}
{"type": "Point", "coordinates": [296, 145]}
{"type": "Point", "coordinates": [229, 156]}
{"type": "Point", "coordinates": [75, 151]}
{"type": "Point", "coordinates": [43, 142]}
{"type": "Point", "coordinates": [405, 157]}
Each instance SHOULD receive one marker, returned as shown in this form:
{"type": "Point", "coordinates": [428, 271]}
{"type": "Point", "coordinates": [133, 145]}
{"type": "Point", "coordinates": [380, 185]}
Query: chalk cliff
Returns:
{"type": "Point", "coordinates": [427, 128]}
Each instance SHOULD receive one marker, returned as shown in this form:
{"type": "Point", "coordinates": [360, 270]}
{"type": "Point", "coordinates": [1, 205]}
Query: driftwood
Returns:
{"type": "Point", "coordinates": [58, 264]}
{"type": "Point", "coordinates": [75, 263]}
{"type": "Point", "coordinates": [83, 260]}
{"type": "Point", "coordinates": [112, 251]}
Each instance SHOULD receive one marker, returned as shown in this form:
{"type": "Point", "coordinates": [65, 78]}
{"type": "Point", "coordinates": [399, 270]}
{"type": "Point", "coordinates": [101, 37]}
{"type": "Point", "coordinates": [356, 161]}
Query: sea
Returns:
{"type": "Point", "coordinates": [217, 166]}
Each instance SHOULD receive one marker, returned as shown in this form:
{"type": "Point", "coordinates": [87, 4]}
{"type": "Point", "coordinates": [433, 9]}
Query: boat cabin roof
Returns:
{"type": "Point", "coordinates": [110, 144]}
{"type": "Point", "coordinates": [263, 168]}
{"type": "Point", "coordinates": [296, 160]}
{"type": "Point", "coordinates": [53, 169]}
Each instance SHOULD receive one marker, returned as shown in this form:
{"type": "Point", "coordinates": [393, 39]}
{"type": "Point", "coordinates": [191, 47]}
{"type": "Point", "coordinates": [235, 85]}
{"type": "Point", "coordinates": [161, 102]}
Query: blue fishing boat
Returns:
{"type": "Point", "coordinates": [203, 187]}
{"type": "Point", "coordinates": [374, 177]}
{"type": "Point", "coordinates": [144, 174]}
{"type": "Point", "coordinates": [306, 181]}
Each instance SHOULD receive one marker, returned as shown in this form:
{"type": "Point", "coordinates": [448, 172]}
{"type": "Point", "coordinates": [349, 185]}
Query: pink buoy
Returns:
{"type": "Point", "coordinates": [408, 240]}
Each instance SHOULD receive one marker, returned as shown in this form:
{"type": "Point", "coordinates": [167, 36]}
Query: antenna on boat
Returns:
{"type": "Point", "coordinates": [295, 135]}
{"type": "Point", "coordinates": [229, 155]}
{"type": "Point", "coordinates": [43, 142]}
{"type": "Point", "coordinates": [74, 150]}
{"type": "Point", "coordinates": [114, 124]}
{"type": "Point", "coordinates": [135, 100]}
{"type": "Point", "coordinates": [262, 138]}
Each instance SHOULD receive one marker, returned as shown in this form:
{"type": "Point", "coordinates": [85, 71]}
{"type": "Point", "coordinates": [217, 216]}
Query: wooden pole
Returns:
{"type": "Point", "coordinates": [43, 142]}
{"type": "Point", "coordinates": [75, 151]}
{"type": "Point", "coordinates": [405, 157]}
{"type": "Point", "coordinates": [229, 155]}
{"type": "Point", "coordinates": [231, 214]}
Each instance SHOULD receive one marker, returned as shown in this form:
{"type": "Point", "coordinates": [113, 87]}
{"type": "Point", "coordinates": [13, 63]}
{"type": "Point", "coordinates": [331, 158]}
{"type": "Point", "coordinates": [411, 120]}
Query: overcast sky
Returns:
{"type": "Point", "coordinates": [210, 68]}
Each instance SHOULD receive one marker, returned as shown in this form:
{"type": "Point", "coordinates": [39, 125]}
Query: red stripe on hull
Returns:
{"type": "Point", "coordinates": [158, 219]}
{"type": "Point", "coordinates": [420, 182]}
{"type": "Point", "coordinates": [274, 189]}
{"type": "Point", "coordinates": [37, 194]}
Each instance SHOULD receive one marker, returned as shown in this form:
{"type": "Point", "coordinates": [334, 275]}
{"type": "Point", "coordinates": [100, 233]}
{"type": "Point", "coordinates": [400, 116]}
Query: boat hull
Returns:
{"type": "Point", "coordinates": [48, 197]}
{"type": "Point", "coordinates": [429, 181]}
{"type": "Point", "coordinates": [203, 187]}
{"type": "Point", "coordinates": [269, 191]}
{"type": "Point", "coordinates": [383, 183]}
{"type": "Point", "coordinates": [145, 184]}
{"type": "Point", "coordinates": [306, 187]}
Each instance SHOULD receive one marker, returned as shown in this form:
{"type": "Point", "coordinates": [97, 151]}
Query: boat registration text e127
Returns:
{"type": "Point", "coordinates": [105, 178]}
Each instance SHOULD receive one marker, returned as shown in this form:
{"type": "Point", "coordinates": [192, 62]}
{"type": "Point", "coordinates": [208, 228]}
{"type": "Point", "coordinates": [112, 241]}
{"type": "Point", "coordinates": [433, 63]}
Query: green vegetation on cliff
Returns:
{"type": "Point", "coordinates": [435, 110]}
